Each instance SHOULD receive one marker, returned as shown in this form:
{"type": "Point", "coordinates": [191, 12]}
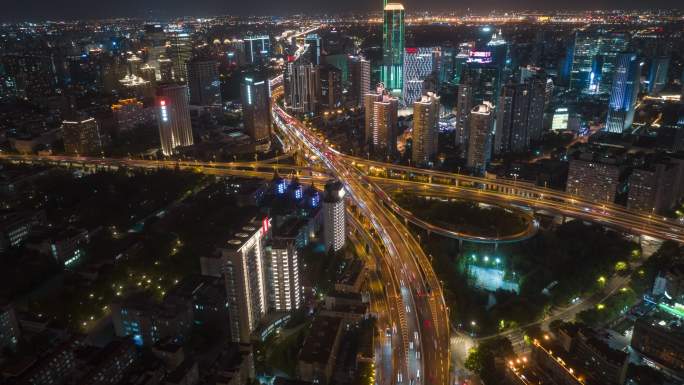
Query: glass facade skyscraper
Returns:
{"type": "Point", "coordinates": [391, 71]}
{"type": "Point", "coordinates": [418, 65]}
{"type": "Point", "coordinates": [593, 61]}
{"type": "Point", "coordinates": [624, 92]}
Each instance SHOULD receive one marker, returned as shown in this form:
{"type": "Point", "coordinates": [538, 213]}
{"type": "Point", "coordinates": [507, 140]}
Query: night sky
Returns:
{"type": "Point", "coordinates": [16, 10]}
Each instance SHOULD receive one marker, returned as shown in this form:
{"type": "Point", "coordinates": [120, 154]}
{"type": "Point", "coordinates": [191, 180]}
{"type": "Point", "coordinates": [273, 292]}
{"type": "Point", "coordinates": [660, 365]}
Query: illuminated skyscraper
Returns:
{"type": "Point", "coordinates": [419, 63]}
{"type": "Point", "coordinates": [175, 129]}
{"type": "Point", "coordinates": [257, 48]}
{"type": "Point", "coordinates": [360, 70]}
{"type": "Point", "coordinates": [256, 105]}
{"type": "Point", "coordinates": [314, 52]}
{"type": "Point", "coordinates": [329, 87]}
{"type": "Point", "coordinates": [285, 289]}
{"type": "Point", "coordinates": [82, 137]}
{"type": "Point", "coordinates": [301, 87]}
{"type": "Point", "coordinates": [179, 50]}
{"type": "Point", "coordinates": [593, 60]}
{"type": "Point", "coordinates": [243, 265]}
{"type": "Point", "coordinates": [334, 227]}
{"type": "Point", "coordinates": [425, 128]}
{"type": "Point", "coordinates": [623, 95]}
{"type": "Point", "coordinates": [204, 84]}
{"type": "Point", "coordinates": [480, 125]}
{"type": "Point", "coordinates": [393, 47]}
{"type": "Point", "coordinates": [657, 75]}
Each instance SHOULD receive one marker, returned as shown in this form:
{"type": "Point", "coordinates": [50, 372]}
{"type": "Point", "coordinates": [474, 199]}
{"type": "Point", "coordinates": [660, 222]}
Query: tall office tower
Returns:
{"type": "Point", "coordinates": [285, 289]}
{"type": "Point", "coordinates": [391, 71]}
{"type": "Point", "coordinates": [593, 179]}
{"type": "Point", "coordinates": [657, 75]}
{"type": "Point", "coordinates": [425, 128]}
{"type": "Point", "coordinates": [245, 274]}
{"type": "Point", "coordinates": [257, 48]}
{"type": "Point", "coordinates": [480, 124]}
{"type": "Point", "coordinates": [204, 84]}
{"type": "Point", "coordinates": [334, 226]}
{"type": "Point", "coordinates": [314, 52]}
{"type": "Point", "coordinates": [464, 104]}
{"type": "Point", "coordinates": [360, 70]}
{"type": "Point", "coordinates": [301, 83]}
{"type": "Point", "coordinates": [173, 117]}
{"type": "Point", "coordinates": [623, 96]}
{"type": "Point", "coordinates": [165, 69]}
{"type": "Point", "coordinates": [82, 137]}
{"type": "Point", "coordinates": [484, 77]}
{"type": "Point", "coordinates": [256, 107]}
{"type": "Point", "coordinates": [179, 50]}
{"type": "Point", "coordinates": [329, 87]}
{"type": "Point", "coordinates": [593, 61]}
{"type": "Point", "coordinates": [447, 66]}
{"type": "Point", "coordinates": [419, 63]}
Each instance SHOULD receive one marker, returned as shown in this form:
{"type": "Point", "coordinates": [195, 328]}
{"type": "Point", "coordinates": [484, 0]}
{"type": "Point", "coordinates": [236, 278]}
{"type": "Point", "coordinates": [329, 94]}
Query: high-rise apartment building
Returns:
{"type": "Point", "coordinates": [360, 78]}
{"type": "Point", "coordinates": [256, 107]}
{"type": "Point", "coordinates": [382, 124]}
{"type": "Point", "coordinates": [204, 84]}
{"type": "Point", "coordinates": [480, 125]}
{"type": "Point", "coordinates": [334, 226]}
{"type": "Point", "coordinates": [173, 117]}
{"type": "Point", "coordinates": [593, 179]}
{"type": "Point", "coordinates": [244, 269]}
{"type": "Point", "coordinates": [655, 187]}
{"type": "Point", "coordinates": [624, 92]}
{"type": "Point", "coordinates": [329, 87]}
{"type": "Point", "coordinates": [464, 104]}
{"type": "Point", "coordinates": [285, 290]}
{"type": "Point", "coordinates": [301, 87]}
{"type": "Point", "coordinates": [519, 115]}
{"type": "Point", "coordinates": [425, 129]}
{"type": "Point", "coordinates": [391, 71]}
{"type": "Point", "coordinates": [419, 63]}
{"type": "Point", "coordinates": [82, 137]}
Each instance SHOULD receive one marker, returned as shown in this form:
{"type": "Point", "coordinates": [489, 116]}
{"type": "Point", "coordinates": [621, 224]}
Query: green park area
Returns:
{"type": "Point", "coordinates": [570, 261]}
{"type": "Point", "coordinates": [464, 216]}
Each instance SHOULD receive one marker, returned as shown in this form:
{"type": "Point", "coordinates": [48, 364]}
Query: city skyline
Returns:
{"type": "Point", "coordinates": [43, 10]}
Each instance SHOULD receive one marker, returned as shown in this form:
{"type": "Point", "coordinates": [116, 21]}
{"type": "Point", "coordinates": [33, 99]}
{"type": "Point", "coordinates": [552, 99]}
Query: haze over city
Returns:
{"type": "Point", "coordinates": [355, 193]}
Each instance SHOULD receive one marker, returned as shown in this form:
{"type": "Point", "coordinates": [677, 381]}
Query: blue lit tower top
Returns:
{"type": "Point", "coordinates": [393, 47]}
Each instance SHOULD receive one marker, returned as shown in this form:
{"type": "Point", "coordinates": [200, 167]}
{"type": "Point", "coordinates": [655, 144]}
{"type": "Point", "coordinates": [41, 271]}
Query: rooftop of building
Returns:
{"type": "Point", "coordinates": [351, 272]}
{"type": "Point", "coordinates": [319, 344]}
{"type": "Point", "coordinates": [598, 342]}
